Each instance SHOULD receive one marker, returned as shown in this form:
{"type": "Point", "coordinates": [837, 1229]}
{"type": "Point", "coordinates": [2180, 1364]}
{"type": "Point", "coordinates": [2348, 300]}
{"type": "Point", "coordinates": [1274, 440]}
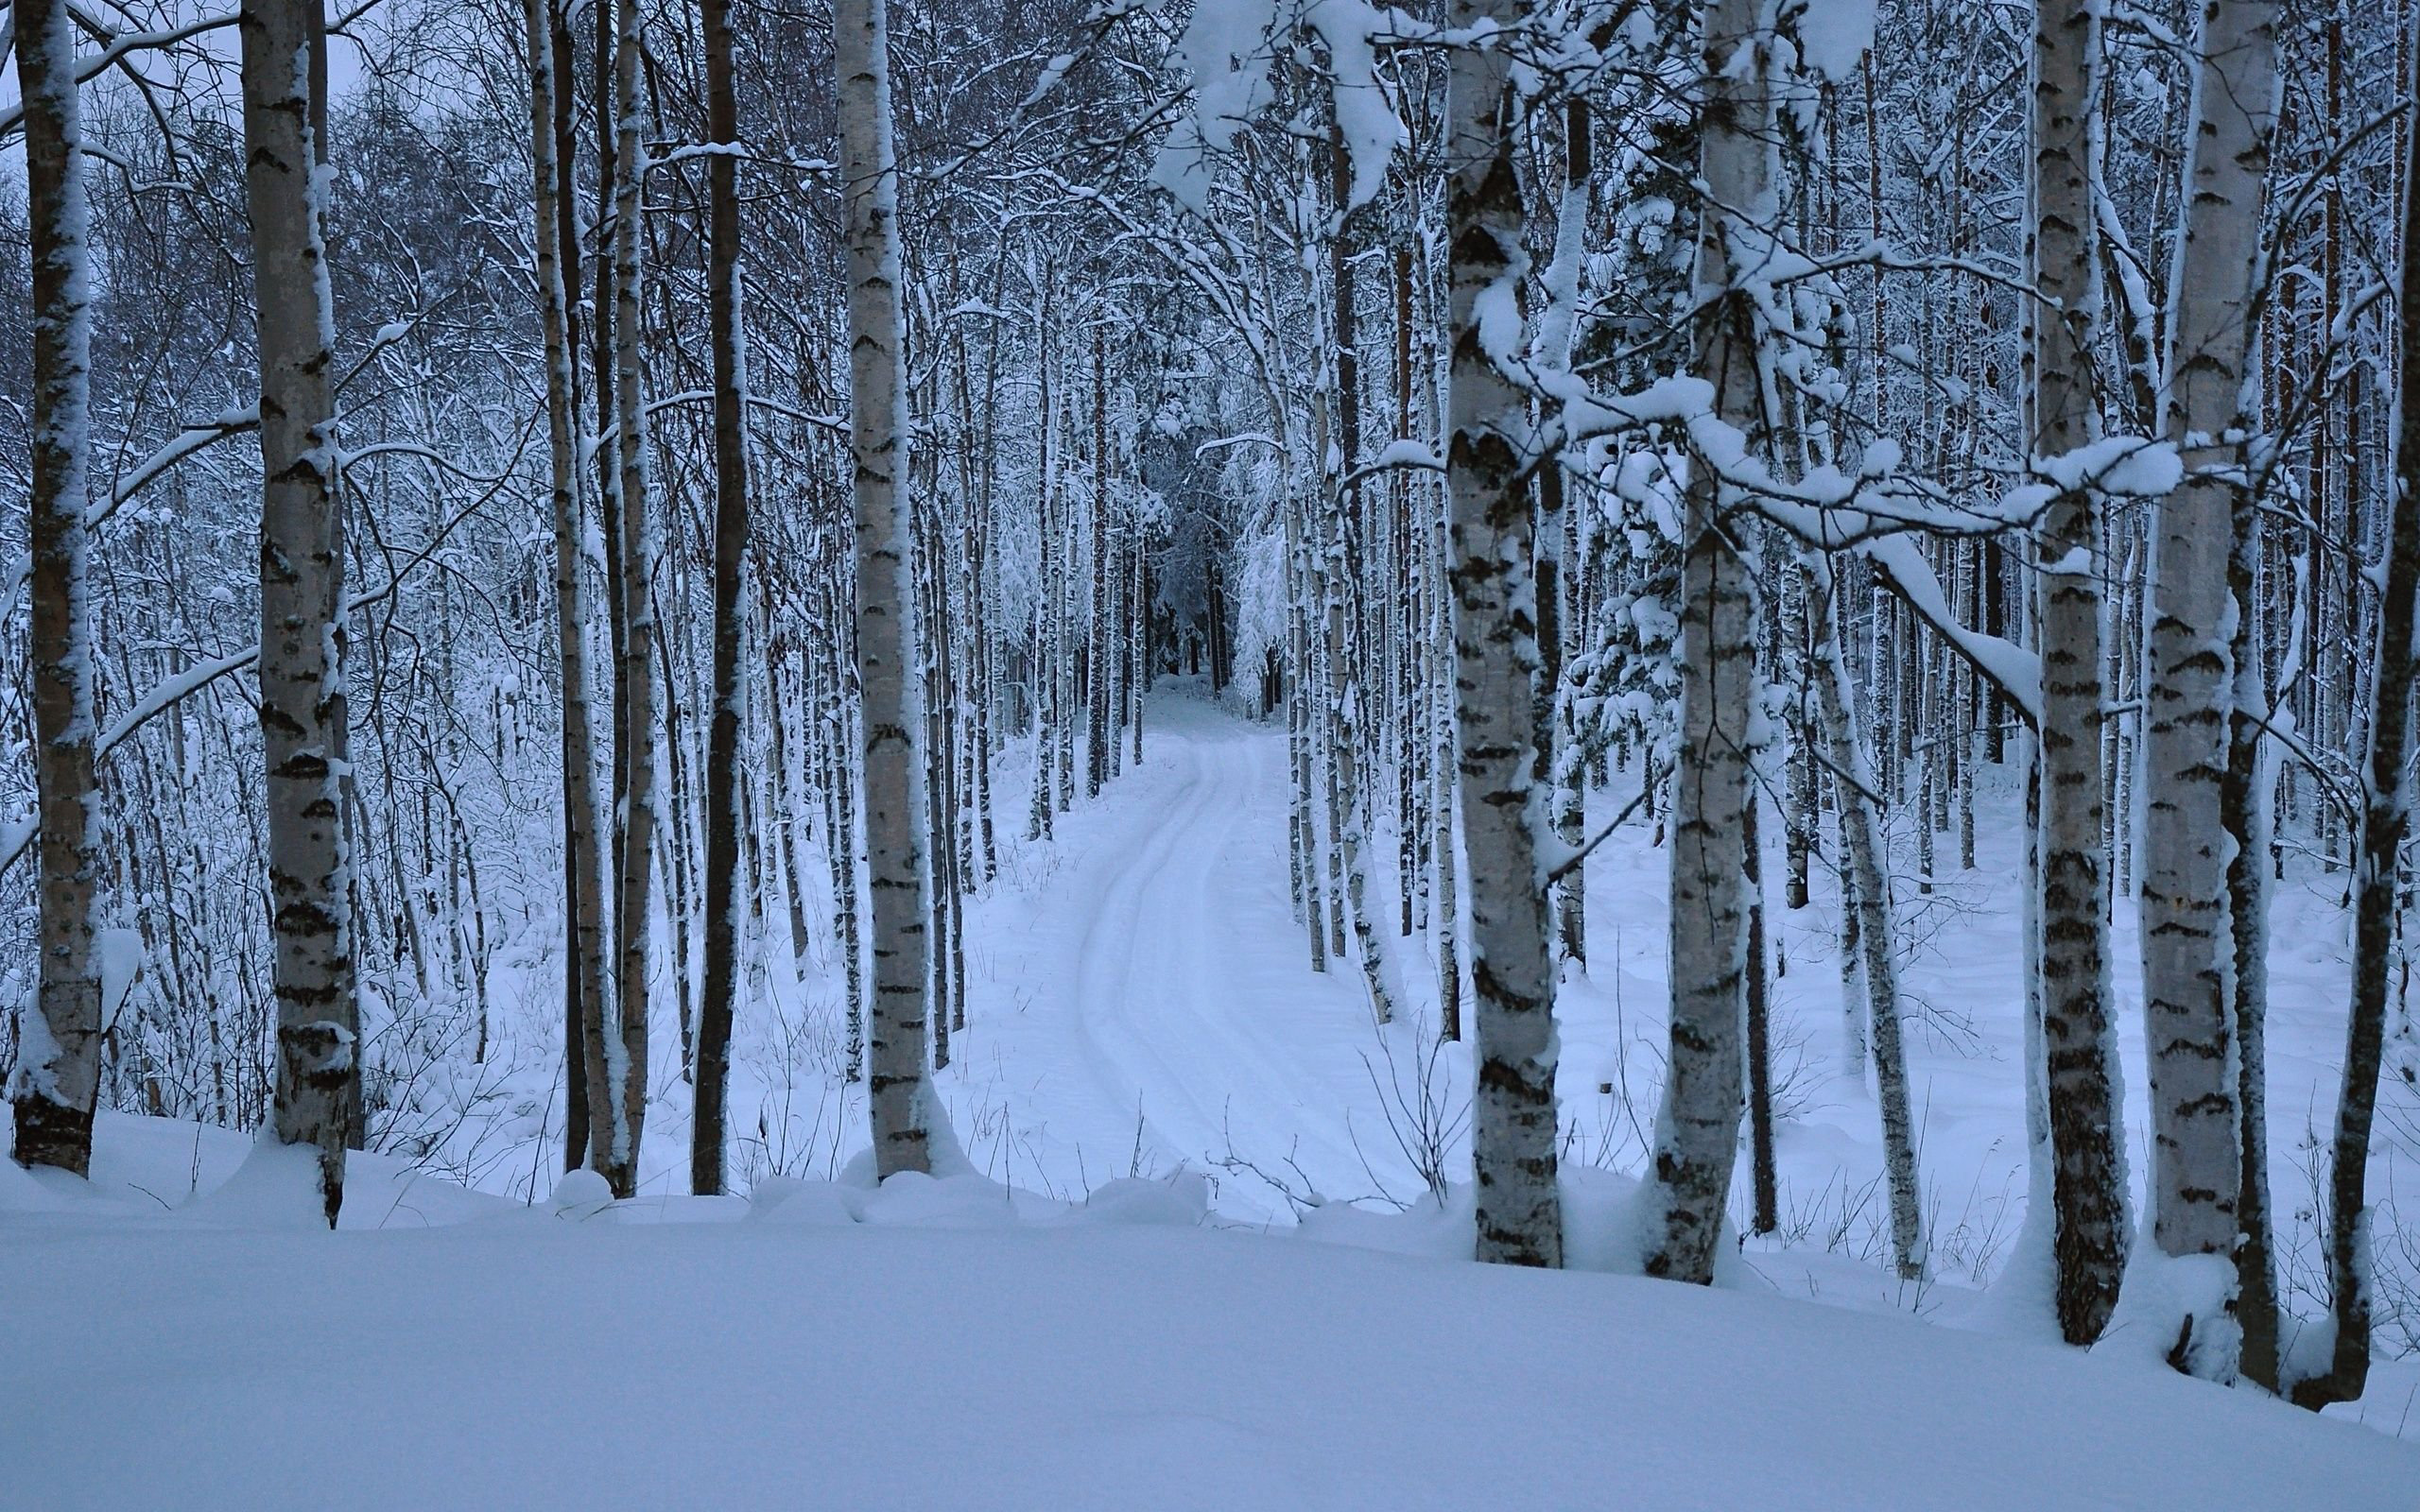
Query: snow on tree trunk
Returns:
{"type": "Point", "coordinates": [301, 664]}
{"type": "Point", "coordinates": [894, 768]}
{"type": "Point", "coordinates": [1495, 661]}
{"type": "Point", "coordinates": [1698, 1126]}
{"type": "Point", "coordinates": [2187, 944]}
{"type": "Point", "coordinates": [712, 1068]}
{"type": "Point", "coordinates": [2088, 1179]}
{"type": "Point", "coordinates": [58, 1057]}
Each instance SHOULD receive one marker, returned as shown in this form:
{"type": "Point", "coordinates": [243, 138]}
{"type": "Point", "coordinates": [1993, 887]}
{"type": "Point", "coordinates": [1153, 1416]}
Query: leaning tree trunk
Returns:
{"type": "Point", "coordinates": [723, 822]}
{"type": "Point", "coordinates": [2187, 938]}
{"type": "Point", "coordinates": [1868, 892]}
{"type": "Point", "coordinates": [1697, 1132]}
{"type": "Point", "coordinates": [1350, 659]}
{"type": "Point", "coordinates": [1495, 661]}
{"type": "Point", "coordinates": [59, 1055]}
{"type": "Point", "coordinates": [2088, 1180]}
{"type": "Point", "coordinates": [894, 770]}
{"type": "Point", "coordinates": [302, 667]}
{"type": "Point", "coordinates": [2386, 819]}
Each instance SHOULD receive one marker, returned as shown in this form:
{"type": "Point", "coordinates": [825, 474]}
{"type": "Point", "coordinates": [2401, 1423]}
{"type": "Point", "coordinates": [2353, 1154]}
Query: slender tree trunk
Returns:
{"type": "Point", "coordinates": [1867, 890]}
{"type": "Point", "coordinates": [1138, 654]}
{"type": "Point", "coordinates": [894, 770]}
{"type": "Point", "coordinates": [2386, 819]}
{"type": "Point", "coordinates": [627, 1053]}
{"type": "Point", "coordinates": [723, 824]}
{"type": "Point", "coordinates": [602, 1013]}
{"type": "Point", "coordinates": [584, 976]}
{"type": "Point", "coordinates": [1445, 801]}
{"type": "Point", "coordinates": [2089, 1191]}
{"type": "Point", "coordinates": [1697, 1135]}
{"type": "Point", "coordinates": [1301, 831]}
{"type": "Point", "coordinates": [1763, 1172]}
{"type": "Point", "coordinates": [1496, 656]}
{"type": "Point", "coordinates": [2188, 937]}
{"type": "Point", "coordinates": [1098, 737]}
{"type": "Point", "coordinates": [2242, 809]}
{"type": "Point", "coordinates": [302, 667]}
{"type": "Point", "coordinates": [59, 1042]}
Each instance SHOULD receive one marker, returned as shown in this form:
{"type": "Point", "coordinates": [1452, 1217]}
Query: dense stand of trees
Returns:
{"type": "Point", "coordinates": [713, 466]}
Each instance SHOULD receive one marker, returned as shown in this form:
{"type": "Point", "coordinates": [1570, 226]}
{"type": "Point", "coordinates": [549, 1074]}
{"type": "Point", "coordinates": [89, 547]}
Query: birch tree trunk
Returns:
{"type": "Point", "coordinates": [895, 769]}
{"type": "Point", "coordinates": [1868, 892]}
{"type": "Point", "coordinates": [1350, 658]}
{"type": "Point", "coordinates": [2386, 821]}
{"type": "Point", "coordinates": [712, 1072]}
{"type": "Point", "coordinates": [2088, 1183]}
{"type": "Point", "coordinates": [1100, 739]}
{"type": "Point", "coordinates": [2245, 808]}
{"type": "Point", "coordinates": [1495, 661]}
{"type": "Point", "coordinates": [2187, 941]}
{"type": "Point", "coordinates": [302, 665]}
{"type": "Point", "coordinates": [584, 978]}
{"type": "Point", "coordinates": [59, 1056]}
{"type": "Point", "coordinates": [626, 1053]}
{"type": "Point", "coordinates": [601, 1013]}
{"type": "Point", "coordinates": [1445, 790]}
{"type": "Point", "coordinates": [1698, 1131]}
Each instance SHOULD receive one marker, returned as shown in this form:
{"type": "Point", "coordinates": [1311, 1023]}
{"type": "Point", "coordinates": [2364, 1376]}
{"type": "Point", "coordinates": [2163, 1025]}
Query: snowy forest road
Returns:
{"type": "Point", "coordinates": [1154, 1005]}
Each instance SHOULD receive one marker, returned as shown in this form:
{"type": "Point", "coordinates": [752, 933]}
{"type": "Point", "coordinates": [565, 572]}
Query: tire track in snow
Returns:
{"type": "Point", "coordinates": [1172, 994]}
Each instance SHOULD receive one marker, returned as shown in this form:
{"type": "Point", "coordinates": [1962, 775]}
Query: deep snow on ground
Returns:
{"type": "Point", "coordinates": [952, 1345]}
{"type": "Point", "coordinates": [1141, 1004]}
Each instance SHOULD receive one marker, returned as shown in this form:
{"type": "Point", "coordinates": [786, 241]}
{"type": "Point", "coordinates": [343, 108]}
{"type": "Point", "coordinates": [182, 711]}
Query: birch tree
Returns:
{"type": "Point", "coordinates": [58, 1057]}
{"type": "Point", "coordinates": [894, 768]}
{"type": "Point", "coordinates": [2386, 822]}
{"type": "Point", "coordinates": [723, 776]}
{"type": "Point", "coordinates": [1698, 1129]}
{"type": "Point", "coordinates": [2186, 933]}
{"type": "Point", "coordinates": [636, 716]}
{"type": "Point", "coordinates": [2088, 1179]}
{"type": "Point", "coordinates": [1496, 658]}
{"type": "Point", "coordinates": [302, 630]}
{"type": "Point", "coordinates": [557, 243]}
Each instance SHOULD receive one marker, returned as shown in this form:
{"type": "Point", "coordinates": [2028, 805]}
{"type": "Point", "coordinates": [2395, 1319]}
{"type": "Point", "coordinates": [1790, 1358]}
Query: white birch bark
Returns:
{"type": "Point", "coordinates": [626, 1053]}
{"type": "Point", "coordinates": [895, 769]}
{"type": "Point", "coordinates": [1495, 660]}
{"type": "Point", "coordinates": [585, 978]}
{"type": "Point", "coordinates": [2080, 1074]}
{"type": "Point", "coordinates": [2187, 943]}
{"type": "Point", "coordinates": [1869, 893]}
{"type": "Point", "coordinates": [301, 672]}
{"type": "Point", "coordinates": [59, 1058]}
{"type": "Point", "coordinates": [1698, 1127]}
{"type": "Point", "coordinates": [2386, 822]}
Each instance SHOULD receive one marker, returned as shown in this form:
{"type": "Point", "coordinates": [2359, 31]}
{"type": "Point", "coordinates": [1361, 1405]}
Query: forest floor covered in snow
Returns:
{"type": "Point", "coordinates": [950, 1345]}
{"type": "Point", "coordinates": [1158, 1103]}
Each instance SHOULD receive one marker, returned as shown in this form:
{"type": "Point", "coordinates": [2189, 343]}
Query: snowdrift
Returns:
{"type": "Point", "coordinates": [950, 1344]}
